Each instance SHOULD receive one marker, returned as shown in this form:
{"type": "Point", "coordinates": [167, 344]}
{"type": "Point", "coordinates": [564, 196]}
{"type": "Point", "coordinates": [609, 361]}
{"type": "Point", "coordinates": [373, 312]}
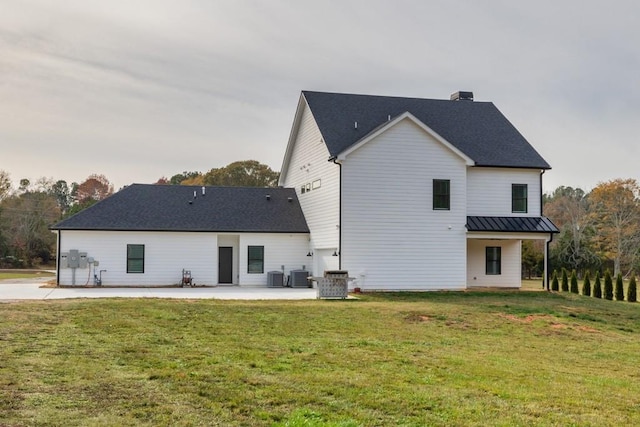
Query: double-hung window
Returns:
{"type": "Point", "coordinates": [135, 258]}
{"type": "Point", "coordinates": [519, 198]}
{"type": "Point", "coordinates": [255, 262]}
{"type": "Point", "coordinates": [441, 194]}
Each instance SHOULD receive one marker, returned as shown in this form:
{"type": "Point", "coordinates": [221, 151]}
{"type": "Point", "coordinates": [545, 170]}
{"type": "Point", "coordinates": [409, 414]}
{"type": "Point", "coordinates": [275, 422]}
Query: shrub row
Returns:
{"type": "Point", "coordinates": [569, 283]}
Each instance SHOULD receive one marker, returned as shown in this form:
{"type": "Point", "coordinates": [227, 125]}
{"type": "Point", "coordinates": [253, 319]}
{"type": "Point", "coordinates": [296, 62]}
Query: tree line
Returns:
{"type": "Point", "coordinates": [599, 230]}
{"type": "Point", "coordinates": [27, 212]}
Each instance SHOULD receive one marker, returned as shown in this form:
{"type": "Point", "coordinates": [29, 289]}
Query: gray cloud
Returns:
{"type": "Point", "coordinates": [137, 90]}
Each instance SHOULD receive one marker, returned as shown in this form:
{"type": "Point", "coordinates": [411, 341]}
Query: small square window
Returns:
{"type": "Point", "coordinates": [441, 194]}
{"type": "Point", "coordinates": [315, 184]}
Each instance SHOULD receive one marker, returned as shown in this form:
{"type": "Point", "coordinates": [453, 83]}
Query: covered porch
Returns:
{"type": "Point", "coordinates": [494, 248]}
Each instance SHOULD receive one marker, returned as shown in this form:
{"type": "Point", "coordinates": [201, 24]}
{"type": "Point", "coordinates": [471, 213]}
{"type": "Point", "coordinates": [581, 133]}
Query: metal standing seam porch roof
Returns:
{"type": "Point", "coordinates": [150, 207]}
{"type": "Point", "coordinates": [519, 224]}
{"type": "Point", "coordinates": [478, 129]}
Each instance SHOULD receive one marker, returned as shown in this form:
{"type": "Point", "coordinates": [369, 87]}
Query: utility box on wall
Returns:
{"type": "Point", "coordinates": [76, 259]}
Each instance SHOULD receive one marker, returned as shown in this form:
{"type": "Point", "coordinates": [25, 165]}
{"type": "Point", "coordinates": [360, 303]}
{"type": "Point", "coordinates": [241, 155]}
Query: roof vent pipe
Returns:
{"type": "Point", "coordinates": [355, 125]}
{"type": "Point", "coordinates": [290, 199]}
{"type": "Point", "coordinates": [268, 196]}
{"type": "Point", "coordinates": [195, 194]}
{"type": "Point", "coordinates": [203, 190]}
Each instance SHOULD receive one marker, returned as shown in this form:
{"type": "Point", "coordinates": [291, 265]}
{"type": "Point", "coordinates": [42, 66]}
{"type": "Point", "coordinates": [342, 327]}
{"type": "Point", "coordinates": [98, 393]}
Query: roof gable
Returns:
{"type": "Point", "coordinates": [391, 123]}
{"type": "Point", "coordinates": [477, 129]}
{"type": "Point", "coordinates": [145, 207]}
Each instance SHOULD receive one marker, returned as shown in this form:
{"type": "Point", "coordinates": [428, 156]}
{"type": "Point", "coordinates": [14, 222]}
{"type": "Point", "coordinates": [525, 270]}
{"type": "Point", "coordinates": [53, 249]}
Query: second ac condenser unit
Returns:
{"type": "Point", "coordinates": [298, 279]}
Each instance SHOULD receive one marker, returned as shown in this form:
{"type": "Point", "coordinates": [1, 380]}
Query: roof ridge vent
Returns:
{"type": "Point", "coordinates": [462, 96]}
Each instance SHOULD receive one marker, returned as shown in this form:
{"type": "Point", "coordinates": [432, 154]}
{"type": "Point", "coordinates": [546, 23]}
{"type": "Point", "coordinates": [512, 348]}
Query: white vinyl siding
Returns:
{"type": "Point", "coordinates": [392, 238]}
{"type": "Point", "coordinates": [309, 164]}
{"type": "Point", "coordinates": [167, 253]}
{"type": "Point", "coordinates": [510, 264]}
{"type": "Point", "coordinates": [288, 250]}
{"type": "Point", "coordinates": [489, 191]}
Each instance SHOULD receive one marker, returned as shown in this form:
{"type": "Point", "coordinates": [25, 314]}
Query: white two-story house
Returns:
{"type": "Point", "coordinates": [415, 194]}
{"type": "Point", "coordinates": [403, 193]}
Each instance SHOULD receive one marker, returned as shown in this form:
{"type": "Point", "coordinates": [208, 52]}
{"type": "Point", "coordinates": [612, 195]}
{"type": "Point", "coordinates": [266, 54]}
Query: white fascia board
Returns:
{"type": "Point", "coordinates": [302, 104]}
{"type": "Point", "coordinates": [406, 116]}
{"type": "Point", "coordinates": [488, 235]}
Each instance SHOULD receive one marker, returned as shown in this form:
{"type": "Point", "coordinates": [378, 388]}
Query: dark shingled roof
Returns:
{"type": "Point", "coordinates": [143, 207]}
{"type": "Point", "coordinates": [478, 129]}
{"type": "Point", "coordinates": [518, 224]}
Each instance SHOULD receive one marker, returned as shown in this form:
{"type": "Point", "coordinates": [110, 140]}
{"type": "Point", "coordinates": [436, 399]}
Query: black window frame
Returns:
{"type": "Point", "coordinates": [135, 258]}
{"type": "Point", "coordinates": [519, 198]}
{"type": "Point", "coordinates": [441, 195]}
{"type": "Point", "coordinates": [493, 260]}
{"type": "Point", "coordinates": [252, 259]}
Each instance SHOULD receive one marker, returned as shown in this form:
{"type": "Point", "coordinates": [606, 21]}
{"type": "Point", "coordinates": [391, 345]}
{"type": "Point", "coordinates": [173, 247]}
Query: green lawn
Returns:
{"type": "Point", "coordinates": [404, 359]}
{"type": "Point", "coordinates": [24, 274]}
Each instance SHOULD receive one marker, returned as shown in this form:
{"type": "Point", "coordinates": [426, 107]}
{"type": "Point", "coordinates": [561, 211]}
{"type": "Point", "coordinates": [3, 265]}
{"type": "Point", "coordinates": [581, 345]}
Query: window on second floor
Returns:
{"type": "Point", "coordinates": [441, 194]}
{"type": "Point", "coordinates": [519, 198]}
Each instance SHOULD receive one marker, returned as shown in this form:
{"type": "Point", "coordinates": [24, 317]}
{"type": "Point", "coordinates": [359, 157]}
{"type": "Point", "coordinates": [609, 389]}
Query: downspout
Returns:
{"type": "Point", "coordinates": [547, 261]}
{"type": "Point", "coordinates": [58, 260]}
{"type": "Point", "coordinates": [546, 252]}
{"type": "Point", "coordinates": [334, 160]}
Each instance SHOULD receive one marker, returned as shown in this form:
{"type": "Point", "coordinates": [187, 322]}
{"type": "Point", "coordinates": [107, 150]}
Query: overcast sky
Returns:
{"type": "Point", "coordinates": [140, 89]}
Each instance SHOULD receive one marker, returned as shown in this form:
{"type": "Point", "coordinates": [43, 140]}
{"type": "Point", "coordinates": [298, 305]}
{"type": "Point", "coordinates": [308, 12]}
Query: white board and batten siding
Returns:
{"type": "Point", "coordinates": [167, 253]}
{"type": "Point", "coordinates": [489, 191]}
{"type": "Point", "coordinates": [510, 275]}
{"type": "Point", "coordinates": [392, 237]}
{"type": "Point", "coordinates": [308, 164]}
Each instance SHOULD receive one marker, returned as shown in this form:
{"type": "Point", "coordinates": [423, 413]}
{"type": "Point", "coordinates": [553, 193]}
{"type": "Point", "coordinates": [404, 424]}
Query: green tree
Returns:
{"type": "Point", "coordinates": [177, 179]}
{"type": "Point", "coordinates": [586, 285]}
{"type": "Point", "coordinates": [608, 286]}
{"type": "Point", "coordinates": [26, 218]}
{"type": "Point", "coordinates": [619, 288]}
{"type": "Point", "coordinates": [597, 286]}
{"type": "Point", "coordinates": [246, 173]}
{"type": "Point", "coordinates": [632, 292]}
{"type": "Point", "coordinates": [554, 281]}
{"type": "Point", "coordinates": [62, 193]}
{"type": "Point", "coordinates": [532, 258]}
{"type": "Point", "coordinates": [574, 282]}
{"type": "Point", "coordinates": [565, 281]}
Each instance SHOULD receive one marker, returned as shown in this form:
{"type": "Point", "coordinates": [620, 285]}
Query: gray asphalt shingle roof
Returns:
{"type": "Point", "coordinates": [478, 129]}
{"type": "Point", "coordinates": [145, 207]}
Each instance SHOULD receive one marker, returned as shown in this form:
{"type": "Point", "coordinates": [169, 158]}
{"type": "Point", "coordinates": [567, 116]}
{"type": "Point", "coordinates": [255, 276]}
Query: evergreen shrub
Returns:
{"type": "Point", "coordinates": [586, 285]}
{"type": "Point", "coordinates": [608, 286]}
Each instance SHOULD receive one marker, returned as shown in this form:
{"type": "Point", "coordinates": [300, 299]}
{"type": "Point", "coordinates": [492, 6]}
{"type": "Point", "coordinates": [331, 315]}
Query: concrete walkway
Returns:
{"type": "Point", "coordinates": [31, 289]}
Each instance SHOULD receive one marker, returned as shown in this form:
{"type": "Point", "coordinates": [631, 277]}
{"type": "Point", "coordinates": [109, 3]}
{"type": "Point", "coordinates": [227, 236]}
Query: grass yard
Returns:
{"type": "Point", "coordinates": [24, 274]}
{"type": "Point", "coordinates": [404, 359]}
